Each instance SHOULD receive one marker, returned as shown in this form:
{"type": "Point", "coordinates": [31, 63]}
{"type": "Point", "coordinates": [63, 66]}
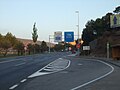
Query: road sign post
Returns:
{"type": "Point", "coordinates": [108, 52]}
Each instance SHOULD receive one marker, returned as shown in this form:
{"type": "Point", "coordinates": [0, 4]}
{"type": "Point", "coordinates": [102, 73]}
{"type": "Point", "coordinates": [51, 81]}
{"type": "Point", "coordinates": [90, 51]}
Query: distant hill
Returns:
{"type": "Point", "coordinates": [27, 41]}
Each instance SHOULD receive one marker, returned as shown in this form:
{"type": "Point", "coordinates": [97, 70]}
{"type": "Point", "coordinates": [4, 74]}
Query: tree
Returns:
{"type": "Point", "coordinates": [30, 47]}
{"type": "Point", "coordinates": [88, 32]}
{"type": "Point", "coordinates": [37, 48]}
{"type": "Point", "coordinates": [5, 45]}
{"type": "Point", "coordinates": [94, 29]}
{"type": "Point", "coordinates": [117, 10]}
{"type": "Point", "coordinates": [1, 38]}
{"type": "Point", "coordinates": [34, 35]}
{"type": "Point", "coordinates": [58, 47]}
{"type": "Point", "coordinates": [6, 42]}
{"type": "Point", "coordinates": [44, 46]}
{"type": "Point", "coordinates": [106, 21]}
{"type": "Point", "coordinates": [19, 46]}
{"type": "Point", "coordinates": [12, 39]}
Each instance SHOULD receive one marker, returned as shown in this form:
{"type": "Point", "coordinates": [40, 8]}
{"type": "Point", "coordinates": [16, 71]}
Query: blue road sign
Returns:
{"type": "Point", "coordinates": [68, 36]}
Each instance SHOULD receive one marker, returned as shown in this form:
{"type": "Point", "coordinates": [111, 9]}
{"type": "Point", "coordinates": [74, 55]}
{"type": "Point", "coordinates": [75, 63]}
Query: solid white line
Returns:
{"type": "Point", "coordinates": [9, 61]}
{"type": "Point", "coordinates": [13, 87]}
{"type": "Point", "coordinates": [112, 69]}
{"type": "Point", "coordinates": [23, 80]}
{"type": "Point", "coordinates": [68, 64]}
{"type": "Point", "coordinates": [51, 69]}
{"type": "Point", "coordinates": [20, 64]}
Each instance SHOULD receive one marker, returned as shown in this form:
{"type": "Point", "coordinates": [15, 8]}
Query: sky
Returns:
{"type": "Point", "coordinates": [18, 16]}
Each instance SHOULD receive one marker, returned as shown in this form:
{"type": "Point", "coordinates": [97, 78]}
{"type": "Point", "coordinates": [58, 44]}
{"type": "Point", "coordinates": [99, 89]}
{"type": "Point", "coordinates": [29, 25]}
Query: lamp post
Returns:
{"type": "Point", "coordinates": [78, 23]}
{"type": "Point", "coordinates": [49, 44]}
{"type": "Point", "coordinates": [78, 30]}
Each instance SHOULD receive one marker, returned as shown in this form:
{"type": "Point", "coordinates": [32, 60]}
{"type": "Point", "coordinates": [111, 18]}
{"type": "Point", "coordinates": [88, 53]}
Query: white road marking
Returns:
{"type": "Point", "coordinates": [79, 64]}
{"type": "Point", "coordinates": [55, 69]}
{"type": "Point", "coordinates": [9, 61]}
{"type": "Point", "coordinates": [112, 69]}
{"type": "Point", "coordinates": [55, 64]}
{"type": "Point", "coordinates": [49, 69]}
{"type": "Point", "coordinates": [13, 87]}
{"type": "Point", "coordinates": [23, 80]}
{"type": "Point", "coordinates": [37, 74]}
{"type": "Point", "coordinates": [20, 64]}
{"type": "Point", "coordinates": [68, 64]}
{"type": "Point", "coordinates": [72, 55]}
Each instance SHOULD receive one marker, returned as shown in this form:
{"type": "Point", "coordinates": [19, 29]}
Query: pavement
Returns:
{"type": "Point", "coordinates": [15, 70]}
{"type": "Point", "coordinates": [111, 82]}
{"type": "Point", "coordinates": [80, 72]}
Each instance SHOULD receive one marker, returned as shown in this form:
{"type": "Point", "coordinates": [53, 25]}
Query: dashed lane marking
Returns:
{"type": "Point", "coordinates": [16, 85]}
{"type": "Point", "coordinates": [13, 87]}
{"type": "Point", "coordinates": [20, 64]}
{"type": "Point", "coordinates": [23, 80]}
{"type": "Point", "coordinates": [79, 64]}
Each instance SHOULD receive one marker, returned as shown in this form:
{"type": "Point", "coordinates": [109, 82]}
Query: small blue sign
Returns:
{"type": "Point", "coordinates": [68, 36]}
{"type": "Point", "coordinates": [58, 38]}
{"type": "Point", "coordinates": [115, 20]}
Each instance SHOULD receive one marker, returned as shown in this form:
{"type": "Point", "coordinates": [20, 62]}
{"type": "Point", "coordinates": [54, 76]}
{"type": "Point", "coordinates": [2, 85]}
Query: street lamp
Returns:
{"type": "Point", "coordinates": [49, 44]}
{"type": "Point", "coordinates": [78, 30]}
{"type": "Point", "coordinates": [78, 22]}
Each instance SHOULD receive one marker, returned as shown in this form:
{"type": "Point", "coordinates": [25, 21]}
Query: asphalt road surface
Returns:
{"type": "Point", "coordinates": [64, 73]}
{"type": "Point", "coordinates": [17, 69]}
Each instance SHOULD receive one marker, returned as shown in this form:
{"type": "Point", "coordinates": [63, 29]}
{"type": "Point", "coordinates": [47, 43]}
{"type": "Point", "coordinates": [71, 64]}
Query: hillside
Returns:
{"type": "Point", "coordinates": [27, 41]}
{"type": "Point", "coordinates": [99, 46]}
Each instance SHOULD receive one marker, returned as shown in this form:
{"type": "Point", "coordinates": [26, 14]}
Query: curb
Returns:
{"type": "Point", "coordinates": [111, 61]}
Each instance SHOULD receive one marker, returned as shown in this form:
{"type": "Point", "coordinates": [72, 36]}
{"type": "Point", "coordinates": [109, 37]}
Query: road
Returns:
{"type": "Point", "coordinates": [66, 73]}
{"type": "Point", "coordinates": [17, 69]}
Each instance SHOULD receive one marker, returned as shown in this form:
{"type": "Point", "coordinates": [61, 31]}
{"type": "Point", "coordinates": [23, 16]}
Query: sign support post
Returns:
{"type": "Point", "coordinates": [108, 52]}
